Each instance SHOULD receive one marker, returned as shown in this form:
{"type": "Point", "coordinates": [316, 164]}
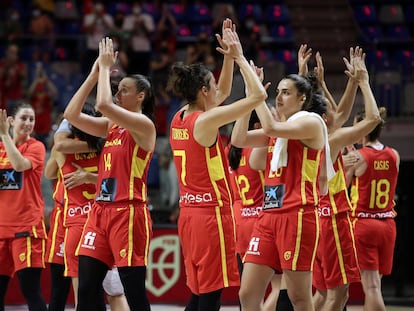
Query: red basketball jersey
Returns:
{"type": "Point", "coordinates": [204, 181]}
{"type": "Point", "coordinates": [20, 192]}
{"type": "Point", "coordinates": [79, 200]}
{"type": "Point", "coordinates": [295, 186]}
{"type": "Point", "coordinates": [337, 199]}
{"type": "Point", "coordinates": [123, 169]}
{"type": "Point", "coordinates": [373, 193]}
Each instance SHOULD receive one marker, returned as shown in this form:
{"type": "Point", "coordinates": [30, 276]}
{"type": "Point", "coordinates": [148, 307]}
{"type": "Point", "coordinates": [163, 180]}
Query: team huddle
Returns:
{"type": "Point", "coordinates": [296, 200]}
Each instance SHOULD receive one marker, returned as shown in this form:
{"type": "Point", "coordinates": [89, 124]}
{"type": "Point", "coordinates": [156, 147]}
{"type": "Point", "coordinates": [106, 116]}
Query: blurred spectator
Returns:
{"type": "Point", "coordinates": [11, 28]}
{"type": "Point", "coordinates": [41, 28]}
{"type": "Point", "coordinates": [119, 32]}
{"type": "Point", "coordinates": [37, 57]}
{"type": "Point", "coordinates": [141, 26]}
{"type": "Point", "coordinates": [97, 25]}
{"type": "Point", "coordinates": [160, 65]}
{"type": "Point", "coordinates": [13, 75]}
{"type": "Point", "coordinates": [41, 94]}
{"type": "Point", "coordinates": [166, 28]}
{"type": "Point", "coordinates": [162, 102]}
{"type": "Point", "coordinates": [169, 190]}
{"type": "Point", "coordinates": [220, 12]}
{"type": "Point", "coordinates": [200, 51]}
{"type": "Point", "coordinates": [251, 32]}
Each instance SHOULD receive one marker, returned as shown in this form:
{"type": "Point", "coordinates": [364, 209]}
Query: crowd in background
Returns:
{"type": "Point", "coordinates": [39, 39]}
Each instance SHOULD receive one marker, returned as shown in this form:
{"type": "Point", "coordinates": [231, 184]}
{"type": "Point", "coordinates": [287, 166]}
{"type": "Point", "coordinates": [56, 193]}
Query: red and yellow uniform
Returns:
{"type": "Point", "coordinates": [56, 234]}
{"type": "Point", "coordinates": [248, 184]}
{"type": "Point", "coordinates": [119, 228]}
{"type": "Point", "coordinates": [373, 205]}
{"type": "Point", "coordinates": [205, 209]}
{"type": "Point", "coordinates": [22, 229]}
{"type": "Point", "coordinates": [336, 261]}
{"type": "Point", "coordinates": [286, 233]}
{"type": "Point", "coordinates": [78, 203]}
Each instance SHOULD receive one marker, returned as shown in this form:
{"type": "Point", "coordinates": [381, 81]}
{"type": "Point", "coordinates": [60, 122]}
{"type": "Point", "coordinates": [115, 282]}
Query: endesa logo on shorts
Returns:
{"type": "Point", "coordinates": [250, 211]}
{"type": "Point", "coordinates": [324, 211]}
{"type": "Point", "coordinates": [79, 210]}
{"type": "Point", "coordinates": [196, 198]}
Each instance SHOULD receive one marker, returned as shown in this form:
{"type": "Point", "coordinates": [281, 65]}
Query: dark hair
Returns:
{"type": "Point", "coordinates": [316, 88]}
{"type": "Point", "coordinates": [93, 142]}
{"type": "Point", "coordinates": [186, 80]}
{"type": "Point", "coordinates": [315, 100]}
{"type": "Point", "coordinates": [234, 154]}
{"type": "Point", "coordinates": [143, 84]}
{"type": "Point", "coordinates": [302, 85]}
{"type": "Point", "coordinates": [317, 104]}
{"type": "Point", "coordinates": [376, 132]}
{"type": "Point", "coordinates": [19, 106]}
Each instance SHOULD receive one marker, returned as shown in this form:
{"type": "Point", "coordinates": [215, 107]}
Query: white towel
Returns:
{"type": "Point", "coordinates": [280, 154]}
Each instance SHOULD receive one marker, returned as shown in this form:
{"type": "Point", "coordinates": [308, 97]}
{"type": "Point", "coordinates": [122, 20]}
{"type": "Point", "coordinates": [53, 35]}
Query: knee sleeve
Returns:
{"type": "Point", "coordinates": [112, 283]}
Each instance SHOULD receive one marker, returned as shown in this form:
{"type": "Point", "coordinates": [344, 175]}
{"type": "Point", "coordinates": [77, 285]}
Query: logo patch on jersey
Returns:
{"type": "Point", "coordinates": [273, 196]}
{"type": "Point", "coordinates": [10, 180]}
{"type": "Point", "coordinates": [107, 190]}
{"type": "Point", "coordinates": [122, 253]}
{"type": "Point", "coordinates": [287, 255]}
{"type": "Point", "coordinates": [22, 257]}
{"type": "Point", "coordinates": [254, 246]}
{"type": "Point", "coordinates": [61, 250]}
{"type": "Point", "coordinates": [89, 240]}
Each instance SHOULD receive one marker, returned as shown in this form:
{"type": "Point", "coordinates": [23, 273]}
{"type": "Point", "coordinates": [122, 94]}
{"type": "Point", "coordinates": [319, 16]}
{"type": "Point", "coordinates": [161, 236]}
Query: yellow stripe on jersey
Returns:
{"type": "Point", "coordinates": [65, 272]}
{"type": "Point", "coordinates": [82, 235]}
{"type": "Point", "coordinates": [130, 233]}
{"type": "Point", "coordinates": [339, 249]}
{"type": "Point", "coordinates": [43, 252]}
{"type": "Point", "coordinates": [58, 182]}
{"type": "Point", "coordinates": [315, 248]}
{"type": "Point", "coordinates": [138, 166]}
{"type": "Point", "coordinates": [216, 172]}
{"type": "Point", "coordinates": [351, 229]}
{"type": "Point", "coordinates": [65, 200]}
{"type": "Point", "coordinates": [336, 185]}
{"type": "Point", "coordinates": [144, 192]}
{"type": "Point", "coordinates": [54, 233]}
{"type": "Point", "coordinates": [222, 247]}
{"type": "Point", "coordinates": [298, 240]}
{"type": "Point", "coordinates": [310, 170]}
{"type": "Point", "coordinates": [132, 211]}
{"type": "Point", "coordinates": [29, 251]}
{"type": "Point", "coordinates": [147, 233]}
{"type": "Point", "coordinates": [34, 231]}
{"type": "Point", "coordinates": [354, 195]}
